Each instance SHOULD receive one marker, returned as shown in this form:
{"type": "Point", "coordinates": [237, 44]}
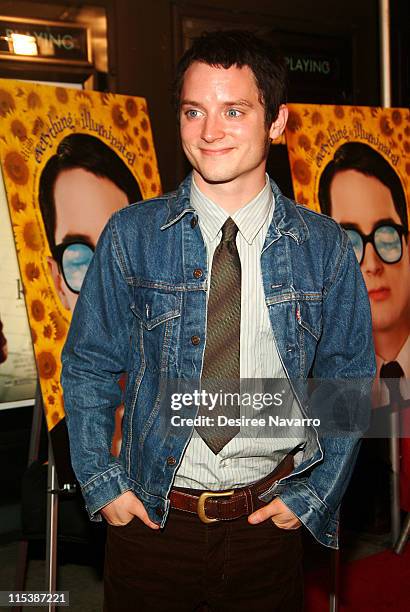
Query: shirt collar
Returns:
{"type": "Point", "coordinates": [402, 358]}
{"type": "Point", "coordinates": [249, 218]}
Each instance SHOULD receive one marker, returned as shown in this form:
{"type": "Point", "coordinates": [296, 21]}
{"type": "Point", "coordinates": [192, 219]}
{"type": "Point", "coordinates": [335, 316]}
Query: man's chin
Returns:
{"type": "Point", "coordinates": [213, 178]}
{"type": "Point", "coordinates": [383, 325]}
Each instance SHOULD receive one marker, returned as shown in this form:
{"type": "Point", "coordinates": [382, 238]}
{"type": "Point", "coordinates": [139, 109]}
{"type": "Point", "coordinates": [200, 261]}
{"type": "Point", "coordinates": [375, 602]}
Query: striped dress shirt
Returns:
{"type": "Point", "coordinates": [244, 459]}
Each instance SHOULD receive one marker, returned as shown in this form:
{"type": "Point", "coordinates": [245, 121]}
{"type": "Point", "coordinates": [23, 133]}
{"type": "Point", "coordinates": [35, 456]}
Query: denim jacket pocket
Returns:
{"type": "Point", "coordinates": [309, 314]}
{"type": "Point", "coordinates": [158, 313]}
{"type": "Point", "coordinates": [154, 307]}
{"type": "Point", "coordinates": [309, 325]}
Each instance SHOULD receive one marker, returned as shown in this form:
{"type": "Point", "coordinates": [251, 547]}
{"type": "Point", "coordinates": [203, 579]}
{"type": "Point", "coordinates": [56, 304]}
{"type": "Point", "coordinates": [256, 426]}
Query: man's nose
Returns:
{"type": "Point", "coordinates": [212, 128]}
{"type": "Point", "coordinates": [372, 264]}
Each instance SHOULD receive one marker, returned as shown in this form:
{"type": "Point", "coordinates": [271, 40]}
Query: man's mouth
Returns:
{"type": "Point", "coordinates": [216, 152]}
{"type": "Point", "coordinates": [380, 294]}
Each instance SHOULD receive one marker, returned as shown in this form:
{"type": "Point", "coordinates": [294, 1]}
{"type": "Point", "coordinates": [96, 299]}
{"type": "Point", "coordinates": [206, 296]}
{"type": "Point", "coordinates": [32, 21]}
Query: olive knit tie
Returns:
{"type": "Point", "coordinates": [221, 367]}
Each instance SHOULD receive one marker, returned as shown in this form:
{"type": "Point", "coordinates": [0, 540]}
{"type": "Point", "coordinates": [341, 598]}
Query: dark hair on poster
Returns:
{"type": "Point", "coordinates": [91, 154]}
{"type": "Point", "coordinates": [362, 158]}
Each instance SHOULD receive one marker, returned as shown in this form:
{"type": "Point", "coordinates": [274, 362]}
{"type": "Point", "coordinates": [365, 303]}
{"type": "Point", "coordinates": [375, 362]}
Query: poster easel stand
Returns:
{"type": "Point", "coordinates": [53, 492]}
{"type": "Point", "coordinates": [52, 522]}
{"type": "Point", "coordinates": [33, 453]}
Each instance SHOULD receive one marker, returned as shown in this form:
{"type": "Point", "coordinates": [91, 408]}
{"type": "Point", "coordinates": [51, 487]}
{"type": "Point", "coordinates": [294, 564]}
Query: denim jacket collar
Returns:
{"type": "Point", "coordinates": [286, 218]}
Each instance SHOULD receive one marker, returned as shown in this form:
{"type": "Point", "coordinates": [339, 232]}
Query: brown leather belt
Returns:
{"type": "Point", "coordinates": [214, 506]}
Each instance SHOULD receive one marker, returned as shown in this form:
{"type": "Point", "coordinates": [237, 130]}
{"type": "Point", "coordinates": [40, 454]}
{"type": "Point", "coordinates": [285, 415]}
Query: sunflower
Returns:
{"type": "Point", "coordinates": [385, 126]}
{"type": "Point", "coordinates": [106, 98]}
{"type": "Point", "coordinates": [357, 110]}
{"type": "Point", "coordinates": [27, 233]}
{"type": "Point", "coordinates": [7, 102]}
{"type": "Point", "coordinates": [48, 331]}
{"type": "Point", "coordinates": [18, 129]}
{"type": "Point", "coordinates": [49, 369]}
{"type": "Point", "coordinates": [117, 115]}
{"type": "Point", "coordinates": [52, 112]}
{"type": "Point", "coordinates": [38, 125]}
{"type": "Point", "coordinates": [37, 309]}
{"type": "Point", "coordinates": [48, 358]}
{"type": "Point", "coordinates": [294, 122]}
{"type": "Point", "coordinates": [59, 325]}
{"type": "Point", "coordinates": [317, 118]}
{"type": "Point", "coordinates": [144, 144]}
{"type": "Point", "coordinates": [54, 410]}
{"type": "Point", "coordinates": [16, 203]}
{"type": "Point", "coordinates": [61, 95]}
{"type": "Point", "coordinates": [31, 272]}
{"type": "Point", "coordinates": [144, 124]}
{"type": "Point", "coordinates": [301, 171]}
{"type": "Point", "coordinates": [85, 98]}
{"type": "Point", "coordinates": [302, 199]}
{"type": "Point", "coordinates": [147, 170]}
{"type": "Point", "coordinates": [131, 107]}
{"type": "Point", "coordinates": [16, 168]}
{"type": "Point", "coordinates": [33, 100]}
{"type": "Point", "coordinates": [339, 112]}
{"type": "Point", "coordinates": [47, 364]}
{"type": "Point", "coordinates": [396, 116]}
{"type": "Point", "coordinates": [36, 301]}
{"type": "Point", "coordinates": [54, 418]}
{"type": "Point", "coordinates": [304, 142]}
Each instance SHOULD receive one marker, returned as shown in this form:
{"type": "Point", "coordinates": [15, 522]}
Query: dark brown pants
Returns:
{"type": "Point", "coordinates": [187, 566]}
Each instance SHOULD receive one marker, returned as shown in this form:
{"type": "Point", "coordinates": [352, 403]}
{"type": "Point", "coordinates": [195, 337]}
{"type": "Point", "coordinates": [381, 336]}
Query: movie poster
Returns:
{"type": "Point", "coordinates": [18, 375]}
{"type": "Point", "coordinates": [70, 159]}
{"type": "Point", "coordinates": [353, 164]}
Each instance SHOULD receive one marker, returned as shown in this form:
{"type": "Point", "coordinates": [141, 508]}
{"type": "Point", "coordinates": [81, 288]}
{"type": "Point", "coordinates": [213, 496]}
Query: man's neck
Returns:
{"type": "Point", "coordinates": [232, 195]}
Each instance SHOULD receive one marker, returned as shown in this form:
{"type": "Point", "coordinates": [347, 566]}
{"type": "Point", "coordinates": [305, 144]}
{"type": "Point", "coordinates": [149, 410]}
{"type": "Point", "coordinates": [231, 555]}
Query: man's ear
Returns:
{"type": "Point", "coordinates": [58, 281]}
{"type": "Point", "coordinates": [278, 126]}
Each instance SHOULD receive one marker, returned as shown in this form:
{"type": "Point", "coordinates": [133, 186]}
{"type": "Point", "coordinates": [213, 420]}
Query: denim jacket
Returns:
{"type": "Point", "coordinates": [142, 310]}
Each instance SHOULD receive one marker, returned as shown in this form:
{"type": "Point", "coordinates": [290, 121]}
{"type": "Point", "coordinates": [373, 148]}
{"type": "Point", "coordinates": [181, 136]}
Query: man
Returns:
{"type": "Point", "coordinates": [224, 278]}
{"type": "Point", "coordinates": [361, 190]}
{"type": "Point", "coordinates": [81, 186]}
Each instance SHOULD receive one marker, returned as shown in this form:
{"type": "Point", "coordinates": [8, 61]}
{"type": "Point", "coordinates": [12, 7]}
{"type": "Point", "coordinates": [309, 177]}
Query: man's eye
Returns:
{"type": "Point", "coordinates": [192, 113]}
{"type": "Point", "coordinates": [233, 112]}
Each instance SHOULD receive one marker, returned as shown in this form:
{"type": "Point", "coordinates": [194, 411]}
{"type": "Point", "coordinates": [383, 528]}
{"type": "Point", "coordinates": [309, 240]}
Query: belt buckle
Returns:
{"type": "Point", "coordinates": [201, 504]}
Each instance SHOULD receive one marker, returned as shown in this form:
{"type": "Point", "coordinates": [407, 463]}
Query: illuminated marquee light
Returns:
{"type": "Point", "coordinates": [23, 44]}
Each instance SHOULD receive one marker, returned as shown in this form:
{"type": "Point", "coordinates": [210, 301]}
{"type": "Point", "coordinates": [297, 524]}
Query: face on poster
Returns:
{"type": "Point", "coordinates": [353, 163]}
{"type": "Point", "coordinates": [70, 159]}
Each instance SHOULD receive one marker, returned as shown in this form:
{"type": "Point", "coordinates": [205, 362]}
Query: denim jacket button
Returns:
{"type": "Point", "coordinates": [197, 273]}
{"type": "Point", "coordinates": [195, 340]}
{"type": "Point", "coordinates": [171, 461]}
{"type": "Point", "coordinates": [194, 222]}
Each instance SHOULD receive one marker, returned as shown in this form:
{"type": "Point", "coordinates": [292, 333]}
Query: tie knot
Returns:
{"type": "Point", "coordinates": [229, 230]}
{"type": "Point", "coordinates": [391, 369]}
